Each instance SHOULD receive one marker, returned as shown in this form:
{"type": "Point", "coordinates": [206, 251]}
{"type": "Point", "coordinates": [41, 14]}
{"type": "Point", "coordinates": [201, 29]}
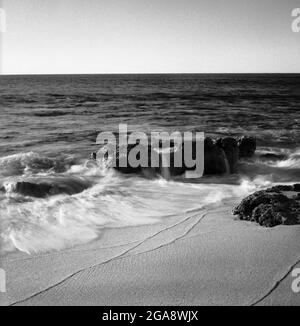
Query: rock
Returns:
{"type": "Point", "coordinates": [48, 188]}
{"type": "Point", "coordinates": [215, 161]}
{"type": "Point", "coordinates": [214, 158]}
{"type": "Point", "coordinates": [32, 189]}
{"type": "Point", "coordinates": [247, 146]}
{"type": "Point", "coordinates": [267, 215]}
{"type": "Point", "coordinates": [270, 207]}
{"type": "Point", "coordinates": [297, 187]}
{"type": "Point", "coordinates": [272, 157]}
{"type": "Point", "coordinates": [280, 188]}
{"type": "Point", "coordinates": [128, 168]}
{"type": "Point", "coordinates": [230, 147]}
{"type": "Point", "coordinates": [220, 157]}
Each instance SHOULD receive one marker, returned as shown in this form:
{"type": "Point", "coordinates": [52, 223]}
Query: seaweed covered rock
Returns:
{"type": "Point", "coordinates": [271, 207]}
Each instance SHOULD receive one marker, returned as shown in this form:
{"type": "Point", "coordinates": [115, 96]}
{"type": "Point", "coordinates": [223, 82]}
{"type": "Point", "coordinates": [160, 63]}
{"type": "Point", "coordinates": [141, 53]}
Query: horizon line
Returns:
{"type": "Point", "coordinates": [153, 73]}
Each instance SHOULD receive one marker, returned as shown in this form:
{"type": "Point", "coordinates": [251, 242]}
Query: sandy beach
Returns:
{"type": "Point", "coordinates": [149, 155]}
{"type": "Point", "coordinates": [209, 258]}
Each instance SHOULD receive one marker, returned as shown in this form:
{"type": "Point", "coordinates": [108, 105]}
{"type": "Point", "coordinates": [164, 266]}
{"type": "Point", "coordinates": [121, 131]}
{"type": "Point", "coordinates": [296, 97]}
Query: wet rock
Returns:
{"type": "Point", "coordinates": [214, 158]}
{"type": "Point", "coordinates": [270, 207]}
{"type": "Point", "coordinates": [230, 147]}
{"type": "Point", "coordinates": [47, 188]}
{"type": "Point", "coordinates": [280, 188]}
{"type": "Point", "coordinates": [32, 189]}
{"type": "Point", "coordinates": [272, 157]}
{"type": "Point", "coordinates": [127, 168]}
{"type": "Point", "coordinates": [297, 187]}
{"type": "Point", "coordinates": [247, 146]}
{"type": "Point", "coordinates": [220, 157]}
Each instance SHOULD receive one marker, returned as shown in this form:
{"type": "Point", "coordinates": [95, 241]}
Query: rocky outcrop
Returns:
{"type": "Point", "coordinates": [231, 149]}
{"type": "Point", "coordinates": [220, 156]}
{"type": "Point", "coordinates": [271, 207]}
{"type": "Point", "coordinates": [215, 160]}
{"type": "Point", "coordinates": [32, 189]}
{"type": "Point", "coordinates": [44, 189]}
{"type": "Point", "coordinates": [247, 146]}
{"type": "Point", "coordinates": [272, 157]}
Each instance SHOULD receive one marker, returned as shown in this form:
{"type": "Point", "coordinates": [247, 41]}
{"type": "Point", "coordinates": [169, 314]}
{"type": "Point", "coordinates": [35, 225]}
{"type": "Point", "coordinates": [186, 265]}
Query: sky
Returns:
{"type": "Point", "coordinates": [149, 36]}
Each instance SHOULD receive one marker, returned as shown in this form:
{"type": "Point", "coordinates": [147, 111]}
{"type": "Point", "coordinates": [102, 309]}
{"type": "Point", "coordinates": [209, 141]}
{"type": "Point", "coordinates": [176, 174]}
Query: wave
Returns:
{"type": "Point", "coordinates": [87, 198]}
{"type": "Point", "coordinates": [112, 201]}
{"type": "Point", "coordinates": [292, 162]}
{"type": "Point", "coordinates": [278, 165]}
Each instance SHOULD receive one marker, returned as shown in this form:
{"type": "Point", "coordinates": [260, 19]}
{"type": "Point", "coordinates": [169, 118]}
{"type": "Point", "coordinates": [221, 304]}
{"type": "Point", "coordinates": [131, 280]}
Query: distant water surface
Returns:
{"type": "Point", "coordinates": [54, 113]}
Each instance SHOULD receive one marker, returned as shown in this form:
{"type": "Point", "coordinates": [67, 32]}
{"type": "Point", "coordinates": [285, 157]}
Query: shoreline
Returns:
{"type": "Point", "coordinates": [206, 258]}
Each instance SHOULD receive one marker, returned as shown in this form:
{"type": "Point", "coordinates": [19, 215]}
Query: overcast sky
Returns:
{"type": "Point", "coordinates": [149, 36]}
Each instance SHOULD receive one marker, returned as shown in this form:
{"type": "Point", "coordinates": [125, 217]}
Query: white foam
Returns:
{"type": "Point", "coordinates": [54, 223]}
{"type": "Point", "coordinates": [64, 221]}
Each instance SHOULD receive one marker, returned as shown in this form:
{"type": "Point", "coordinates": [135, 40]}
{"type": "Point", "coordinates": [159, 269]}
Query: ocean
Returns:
{"type": "Point", "coordinates": [49, 126]}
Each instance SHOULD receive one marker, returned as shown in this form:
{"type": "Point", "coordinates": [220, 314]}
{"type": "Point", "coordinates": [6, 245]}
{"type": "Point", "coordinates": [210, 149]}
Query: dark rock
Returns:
{"type": "Point", "coordinates": [214, 158]}
{"type": "Point", "coordinates": [230, 147]}
{"type": "Point", "coordinates": [280, 188]}
{"type": "Point", "coordinates": [272, 157]}
{"type": "Point", "coordinates": [44, 189]}
{"type": "Point", "coordinates": [32, 189]}
{"type": "Point", "coordinates": [269, 216]}
{"type": "Point", "coordinates": [247, 146]}
{"type": "Point", "coordinates": [220, 157]}
{"type": "Point", "coordinates": [297, 187]}
{"type": "Point", "coordinates": [128, 168]}
{"type": "Point", "coordinates": [270, 208]}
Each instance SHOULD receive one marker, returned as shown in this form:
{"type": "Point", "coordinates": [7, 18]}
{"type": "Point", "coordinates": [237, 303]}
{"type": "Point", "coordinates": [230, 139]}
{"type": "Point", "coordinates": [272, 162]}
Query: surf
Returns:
{"type": "Point", "coordinates": [109, 199]}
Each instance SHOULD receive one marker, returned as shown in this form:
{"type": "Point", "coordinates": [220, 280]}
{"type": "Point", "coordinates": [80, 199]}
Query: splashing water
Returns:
{"type": "Point", "coordinates": [112, 200]}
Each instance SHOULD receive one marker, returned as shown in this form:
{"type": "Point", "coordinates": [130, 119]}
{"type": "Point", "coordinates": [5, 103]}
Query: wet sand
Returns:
{"type": "Point", "coordinates": [203, 258]}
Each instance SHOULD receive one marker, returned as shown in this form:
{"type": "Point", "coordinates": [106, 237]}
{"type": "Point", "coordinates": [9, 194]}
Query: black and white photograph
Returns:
{"type": "Point", "coordinates": [150, 155]}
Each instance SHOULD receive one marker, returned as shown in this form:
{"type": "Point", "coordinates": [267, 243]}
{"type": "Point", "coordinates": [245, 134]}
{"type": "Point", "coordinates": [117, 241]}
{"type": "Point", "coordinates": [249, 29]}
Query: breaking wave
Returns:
{"type": "Point", "coordinates": [82, 199]}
